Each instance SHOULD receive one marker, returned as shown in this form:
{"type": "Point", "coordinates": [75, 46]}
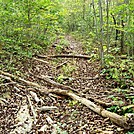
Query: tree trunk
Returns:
{"type": "Point", "coordinates": [101, 33]}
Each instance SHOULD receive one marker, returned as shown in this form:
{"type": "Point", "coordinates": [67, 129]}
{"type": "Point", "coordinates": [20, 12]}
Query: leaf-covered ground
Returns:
{"type": "Point", "coordinates": [21, 110]}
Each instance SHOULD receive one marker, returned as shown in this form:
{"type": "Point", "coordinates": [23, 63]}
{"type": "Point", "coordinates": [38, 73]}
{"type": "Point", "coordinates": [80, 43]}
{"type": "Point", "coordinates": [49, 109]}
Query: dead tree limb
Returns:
{"type": "Point", "coordinates": [58, 85]}
{"type": "Point", "coordinates": [127, 121]}
{"type": "Point", "coordinates": [12, 78]}
{"type": "Point", "coordinates": [65, 56]}
{"type": "Point", "coordinates": [19, 79]}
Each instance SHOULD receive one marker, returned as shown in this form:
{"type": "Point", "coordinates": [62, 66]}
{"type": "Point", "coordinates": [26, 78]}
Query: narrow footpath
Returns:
{"type": "Point", "coordinates": [25, 110]}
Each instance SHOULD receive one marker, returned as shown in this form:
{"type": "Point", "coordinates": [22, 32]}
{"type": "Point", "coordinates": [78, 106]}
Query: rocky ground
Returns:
{"type": "Point", "coordinates": [21, 105]}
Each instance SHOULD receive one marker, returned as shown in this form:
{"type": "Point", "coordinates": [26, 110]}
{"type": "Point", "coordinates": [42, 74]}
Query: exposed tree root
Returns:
{"type": "Point", "coordinates": [127, 122]}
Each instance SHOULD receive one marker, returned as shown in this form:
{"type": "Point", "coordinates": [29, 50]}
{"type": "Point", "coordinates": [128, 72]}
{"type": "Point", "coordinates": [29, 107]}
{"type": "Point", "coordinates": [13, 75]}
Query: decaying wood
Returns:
{"type": "Point", "coordinates": [127, 121]}
{"type": "Point", "coordinates": [65, 56]}
{"type": "Point", "coordinates": [123, 121]}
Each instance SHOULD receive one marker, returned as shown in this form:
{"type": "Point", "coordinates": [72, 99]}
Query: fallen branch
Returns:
{"type": "Point", "coordinates": [29, 83]}
{"type": "Point", "coordinates": [40, 60]}
{"type": "Point", "coordinates": [18, 79]}
{"type": "Point", "coordinates": [47, 108]}
{"type": "Point", "coordinates": [74, 78]}
{"type": "Point", "coordinates": [58, 85]}
{"type": "Point", "coordinates": [62, 64]}
{"type": "Point", "coordinates": [6, 84]}
{"type": "Point", "coordinates": [5, 77]}
{"type": "Point", "coordinates": [65, 56]}
{"type": "Point", "coordinates": [82, 78]}
{"type": "Point", "coordinates": [127, 121]}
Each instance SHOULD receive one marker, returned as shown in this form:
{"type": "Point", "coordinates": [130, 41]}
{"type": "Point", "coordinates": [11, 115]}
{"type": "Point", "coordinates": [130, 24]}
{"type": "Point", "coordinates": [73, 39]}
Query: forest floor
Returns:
{"type": "Point", "coordinates": [22, 106]}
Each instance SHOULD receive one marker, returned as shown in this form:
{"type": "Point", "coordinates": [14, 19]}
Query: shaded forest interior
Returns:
{"type": "Point", "coordinates": [67, 66]}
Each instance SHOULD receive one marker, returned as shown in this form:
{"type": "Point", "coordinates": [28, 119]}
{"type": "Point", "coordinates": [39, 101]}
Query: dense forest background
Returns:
{"type": "Point", "coordinates": [104, 27]}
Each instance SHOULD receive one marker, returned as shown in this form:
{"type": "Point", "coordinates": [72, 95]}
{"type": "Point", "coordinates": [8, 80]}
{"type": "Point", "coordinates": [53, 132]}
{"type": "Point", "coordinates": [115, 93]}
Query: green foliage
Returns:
{"type": "Point", "coordinates": [73, 103]}
{"type": "Point", "coordinates": [62, 44]}
{"type": "Point", "coordinates": [130, 132]}
{"type": "Point", "coordinates": [29, 22]}
{"type": "Point", "coordinates": [28, 27]}
{"type": "Point", "coordinates": [121, 71]}
{"type": "Point", "coordinates": [60, 78]}
{"type": "Point", "coordinates": [68, 69]}
{"type": "Point", "coordinates": [114, 109]}
{"type": "Point", "coordinates": [120, 110]}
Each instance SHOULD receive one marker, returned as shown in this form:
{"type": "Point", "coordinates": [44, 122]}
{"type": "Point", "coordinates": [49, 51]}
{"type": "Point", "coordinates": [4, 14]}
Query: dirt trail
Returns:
{"type": "Point", "coordinates": [75, 46]}
{"type": "Point", "coordinates": [70, 116]}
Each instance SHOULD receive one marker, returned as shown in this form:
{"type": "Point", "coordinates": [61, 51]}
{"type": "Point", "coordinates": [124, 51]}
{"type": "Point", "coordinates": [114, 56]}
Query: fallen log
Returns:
{"type": "Point", "coordinates": [65, 56]}
{"type": "Point", "coordinates": [127, 121]}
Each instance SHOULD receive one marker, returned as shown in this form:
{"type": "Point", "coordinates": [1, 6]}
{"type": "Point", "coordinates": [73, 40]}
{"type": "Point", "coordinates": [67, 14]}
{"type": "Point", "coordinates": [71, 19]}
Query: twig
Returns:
{"type": "Point", "coordinates": [5, 77]}
{"type": "Point", "coordinates": [18, 79]}
{"type": "Point", "coordinates": [59, 66]}
{"type": "Point", "coordinates": [40, 60]}
{"type": "Point", "coordinates": [47, 108]}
